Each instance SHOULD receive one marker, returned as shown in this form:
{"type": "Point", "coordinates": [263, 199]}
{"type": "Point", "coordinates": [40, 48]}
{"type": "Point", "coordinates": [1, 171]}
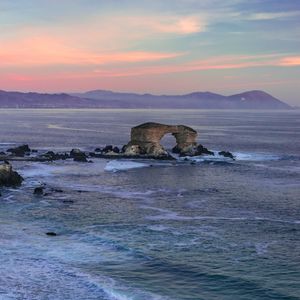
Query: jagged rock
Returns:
{"type": "Point", "coordinates": [145, 139]}
{"type": "Point", "coordinates": [55, 156]}
{"type": "Point", "coordinates": [123, 149]}
{"type": "Point", "coordinates": [116, 150]}
{"type": "Point", "coordinates": [132, 150]}
{"type": "Point", "coordinates": [51, 155]}
{"type": "Point", "coordinates": [107, 148]}
{"type": "Point", "coordinates": [200, 150]}
{"type": "Point", "coordinates": [8, 177]}
{"type": "Point", "coordinates": [19, 151]}
{"type": "Point", "coordinates": [227, 154]}
{"type": "Point", "coordinates": [78, 155]}
{"type": "Point", "coordinates": [98, 150]}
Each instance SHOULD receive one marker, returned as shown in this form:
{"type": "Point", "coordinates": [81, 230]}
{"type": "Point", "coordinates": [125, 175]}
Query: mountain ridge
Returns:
{"type": "Point", "coordinates": [254, 99]}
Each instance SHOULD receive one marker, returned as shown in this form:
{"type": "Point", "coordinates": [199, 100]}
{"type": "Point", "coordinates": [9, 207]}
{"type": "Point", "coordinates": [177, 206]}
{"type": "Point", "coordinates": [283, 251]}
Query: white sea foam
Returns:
{"type": "Point", "coordinates": [255, 156]}
{"type": "Point", "coordinates": [174, 216]}
{"type": "Point", "coordinates": [239, 156]}
{"type": "Point", "coordinates": [117, 191]}
{"type": "Point", "coordinates": [261, 248]}
{"type": "Point", "coordinates": [39, 170]}
{"type": "Point", "coordinates": [64, 168]}
{"type": "Point", "coordinates": [160, 228]}
{"type": "Point", "coordinates": [122, 165]}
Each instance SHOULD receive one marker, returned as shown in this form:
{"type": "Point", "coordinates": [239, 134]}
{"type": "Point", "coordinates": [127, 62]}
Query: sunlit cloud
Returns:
{"type": "Point", "coordinates": [290, 61]}
{"type": "Point", "coordinates": [175, 25]}
{"type": "Point", "coordinates": [213, 63]}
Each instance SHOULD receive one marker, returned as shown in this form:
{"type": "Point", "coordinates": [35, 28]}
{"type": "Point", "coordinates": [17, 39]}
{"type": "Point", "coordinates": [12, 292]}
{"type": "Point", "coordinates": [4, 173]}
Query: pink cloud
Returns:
{"type": "Point", "coordinates": [213, 63]}
{"type": "Point", "coordinates": [43, 51]}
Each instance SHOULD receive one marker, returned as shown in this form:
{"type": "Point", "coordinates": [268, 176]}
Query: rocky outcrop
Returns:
{"type": "Point", "coordinates": [226, 154]}
{"type": "Point", "coordinates": [20, 151]}
{"type": "Point", "coordinates": [145, 139]}
{"type": "Point", "coordinates": [8, 177]}
{"type": "Point", "coordinates": [78, 155]}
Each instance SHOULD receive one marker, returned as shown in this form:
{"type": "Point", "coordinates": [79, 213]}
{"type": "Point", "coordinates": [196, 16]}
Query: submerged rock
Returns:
{"type": "Point", "coordinates": [38, 191]}
{"type": "Point", "coordinates": [8, 177]}
{"type": "Point", "coordinates": [51, 233]}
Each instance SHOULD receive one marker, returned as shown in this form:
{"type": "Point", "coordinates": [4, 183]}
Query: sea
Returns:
{"type": "Point", "coordinates": [202, 228]}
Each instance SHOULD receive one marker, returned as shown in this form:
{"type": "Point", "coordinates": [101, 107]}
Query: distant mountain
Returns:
{"type": "Point", "coordinates": [109, 99]}
{"type": "Point", "coordinates": [258, 99]}
{"type": "Point", "coordinates": [38, 100]}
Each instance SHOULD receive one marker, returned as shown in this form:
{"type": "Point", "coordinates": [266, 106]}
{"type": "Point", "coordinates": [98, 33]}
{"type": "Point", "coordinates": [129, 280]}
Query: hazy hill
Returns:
{"type": "Point", "coordinates": [109, 99]}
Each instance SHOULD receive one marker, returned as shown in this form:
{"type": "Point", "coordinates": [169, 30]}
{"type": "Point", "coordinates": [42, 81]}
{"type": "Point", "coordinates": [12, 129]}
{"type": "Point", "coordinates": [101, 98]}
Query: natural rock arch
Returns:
{"type": "Point", "coordinates": [145, 139]}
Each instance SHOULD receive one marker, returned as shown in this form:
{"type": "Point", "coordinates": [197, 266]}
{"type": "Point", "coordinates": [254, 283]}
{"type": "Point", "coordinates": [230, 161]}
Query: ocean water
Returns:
{"type": "Point", "coordinates": [205, 228]}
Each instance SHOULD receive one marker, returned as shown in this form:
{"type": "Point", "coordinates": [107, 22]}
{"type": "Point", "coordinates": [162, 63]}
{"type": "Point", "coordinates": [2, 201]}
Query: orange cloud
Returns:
{"type": "Point", "coordinates": [290, 61]}
{"type": "Point", "coordinates": [213, 63]}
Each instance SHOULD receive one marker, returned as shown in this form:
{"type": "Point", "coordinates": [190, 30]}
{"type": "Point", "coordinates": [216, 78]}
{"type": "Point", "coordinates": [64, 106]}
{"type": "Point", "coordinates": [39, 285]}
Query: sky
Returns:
{"type": "Point", "coordinates": [153, 46]}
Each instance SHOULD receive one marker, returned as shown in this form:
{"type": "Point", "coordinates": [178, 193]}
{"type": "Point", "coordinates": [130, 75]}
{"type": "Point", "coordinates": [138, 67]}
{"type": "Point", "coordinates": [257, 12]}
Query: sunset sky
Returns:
{"type": "Point", "coordinates": [169, 46]}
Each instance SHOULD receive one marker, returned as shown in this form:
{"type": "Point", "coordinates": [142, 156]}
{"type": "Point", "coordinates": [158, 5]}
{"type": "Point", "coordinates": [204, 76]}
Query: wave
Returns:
{"type": "Point", "coordinates": [244, 156]}
{"type": "Point", "coordinates": [174, 216]}
{"type": "Point", "coordinates": [122, 165]}
{"type": "Point", "coordinates": [50, 169]}
{"type": "Point", "coordinates": [41, 273]}
{"type": "Point", "coordinates": [5, 144]}
{"type": "Point", "coordinates": [239, 156]}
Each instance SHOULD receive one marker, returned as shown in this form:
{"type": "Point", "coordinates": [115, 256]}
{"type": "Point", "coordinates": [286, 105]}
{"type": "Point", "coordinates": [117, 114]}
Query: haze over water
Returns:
{"type": "Point", "coordinates": [214, 229]}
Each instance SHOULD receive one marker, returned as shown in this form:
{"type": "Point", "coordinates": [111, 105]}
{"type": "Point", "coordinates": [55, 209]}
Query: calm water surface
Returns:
{"type": "Point", "coordinates": [214, 229]}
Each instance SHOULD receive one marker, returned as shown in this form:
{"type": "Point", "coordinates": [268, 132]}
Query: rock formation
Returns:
{"type": "Point", "coordinates": [145, 139]}
{"type": "Point", "coordinates": [20, 151]}
{"type": "Point", "coordinates": [8, 177]}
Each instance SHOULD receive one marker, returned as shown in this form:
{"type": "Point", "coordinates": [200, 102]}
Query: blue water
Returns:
{"type": "Point", "coordinates": [214, 229]}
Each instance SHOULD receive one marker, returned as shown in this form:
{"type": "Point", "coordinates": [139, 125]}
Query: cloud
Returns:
{"type": "Point", "coordinates": [212, 63]}
{"type": "Point", "coordinates": [273, 15]}
{"type": "Point", "coordinates": [290, 61]}
{"type": "Point", "coordinates": [46, 51]}
{"type": "Point", "coordinates": [96, 40]}
{"type": "Point", "coordinates": [173, 25]}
